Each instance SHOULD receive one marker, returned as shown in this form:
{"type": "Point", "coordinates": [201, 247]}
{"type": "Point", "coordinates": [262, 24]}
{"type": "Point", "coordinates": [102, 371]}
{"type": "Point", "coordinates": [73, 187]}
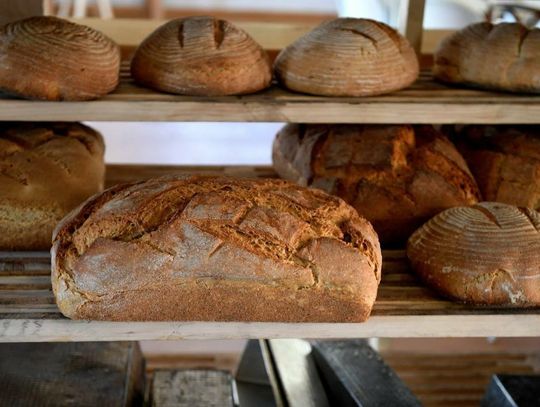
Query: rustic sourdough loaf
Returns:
{"type": "Point", "coordinates": [201, 56]}
{"type": "Point", "coordinates": [215, 249]}
{"type": "Point", "coordinates": [348, 57]}
{"type": "Point", "coordinates": [505, 160]}
{"type": "Point", "coordinates": [54, 59]}
{"type": "Point", "coordinates": [397, 176]}
{"type": "Point", "coordinates": [46, 170]}
{"type": "Point", "coordinates": [504, 56]}
{"type": "Point", "coordinates": [488, 253]}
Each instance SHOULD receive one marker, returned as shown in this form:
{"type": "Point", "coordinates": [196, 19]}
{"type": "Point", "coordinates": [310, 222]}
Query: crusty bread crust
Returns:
{"type": "Point", "coordinates": [485, 254]}
{"type": "Point", "coordinates": [396, 176]}
{"type": "Point", "coordinates": [53, 59]}
{"type": "Point", "coordinates": [201, 56]}
{"type": "Point", "coordinates": [504, 56]}
{"type": "Point", "coordinates": [46, 169]}
{"type": "Point", "coordinates": [348, 57]}
{"type": "Point", "coordinates": [215, 249]}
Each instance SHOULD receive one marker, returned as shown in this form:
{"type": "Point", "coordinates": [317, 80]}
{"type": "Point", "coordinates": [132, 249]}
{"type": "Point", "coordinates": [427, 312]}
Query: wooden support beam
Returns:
{"type": "Point", "coordinates": [411, 21]}
{"type": "Point", "coordinates": [12, 10]}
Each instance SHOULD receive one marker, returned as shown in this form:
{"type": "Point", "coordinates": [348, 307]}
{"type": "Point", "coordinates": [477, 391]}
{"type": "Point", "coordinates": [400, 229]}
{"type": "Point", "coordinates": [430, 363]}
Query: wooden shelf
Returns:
{"type": "Point", "coordinates": [404, 307]}
{"type": "Point", "coordinates": [424, 102]}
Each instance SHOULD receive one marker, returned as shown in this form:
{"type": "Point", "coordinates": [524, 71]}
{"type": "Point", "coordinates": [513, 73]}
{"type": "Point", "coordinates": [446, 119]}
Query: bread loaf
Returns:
{"type": "Point", "coordinates": [215, 249]}
{"type": "Point", "coordinates": [53, 59]}
{"type": "Point", "coordinates": [505, 56]}
{"type": "Point", "coordinates": [505, 160]}
{"type": "Point", "coordinates": [201, 56]}
{"type": "Point", "coordinates": [396, 176]}
{"type": "Point", "coordinates": [488, 253]}
{"type": "Point", "coordinates": [46, 170]}
{"type": "Point", "coordinates": [348, 57]}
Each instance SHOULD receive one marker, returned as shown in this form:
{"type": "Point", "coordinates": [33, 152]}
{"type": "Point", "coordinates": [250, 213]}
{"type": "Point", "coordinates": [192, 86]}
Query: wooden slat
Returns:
{"type": "Point", "coordinates": [404, 307]}
{"type": "Point", "coordinates": [456, 379]}
{"type": "Point", "coordinates": [424, 102]}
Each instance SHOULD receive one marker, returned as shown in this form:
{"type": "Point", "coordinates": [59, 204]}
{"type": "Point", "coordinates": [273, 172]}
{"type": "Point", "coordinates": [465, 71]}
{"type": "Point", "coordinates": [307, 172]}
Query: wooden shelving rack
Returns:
{"type": "Point", "coordinates": [404, 308]}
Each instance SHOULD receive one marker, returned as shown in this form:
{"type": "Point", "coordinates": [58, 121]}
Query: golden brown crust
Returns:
{"type": "Point", "coordinates": [208, 248]}
{"type": "Point", "coordinates": [396, 176]}
{"type": "Point", "coordinates": [487, 254]}
{"type": "Point", "coordinates": [53, 59]}
{"type": "Point", "coordinates": [348, 57]}
{"type": "Point", "coordinates": [505, 56]}
{"type": "Point", "coordinates": [505, 161]}
{"type": "Point", "coordinates": [46, 169]}
{"type": "Point", "coordinates": [201, 56]}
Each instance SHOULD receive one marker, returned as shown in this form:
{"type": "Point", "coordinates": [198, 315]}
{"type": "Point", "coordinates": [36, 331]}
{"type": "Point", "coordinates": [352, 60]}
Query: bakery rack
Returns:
{"type": "Point", "coordinates": [404, 307]}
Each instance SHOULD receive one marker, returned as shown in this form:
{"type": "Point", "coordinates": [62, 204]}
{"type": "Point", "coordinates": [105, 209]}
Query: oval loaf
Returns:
{"type": "Point", "coordinates": [488, 253]}
{"type": "Point", "coordinates": [53, 59]}
{"type": "Point", "coordinates": [215, 249]}
{"type": "Point", "coordinates": [46, 170]}
{"type": "Point", "coordinates": [396, 176]}
{"type": "Point", "coordinates": [505, 56]}
{"type": "Point", "coordinates": [201, 56]}
{"type": "Point", "coordinates": [348, 57]}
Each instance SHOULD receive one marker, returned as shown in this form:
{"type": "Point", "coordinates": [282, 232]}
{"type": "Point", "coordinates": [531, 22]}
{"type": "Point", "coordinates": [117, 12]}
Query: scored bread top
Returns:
{"type": "Point", "coordinates": [201, 56]}
{"type": "Point", "coordinates": [397, 176]}
{"type": "Point", "coordinates": [161, 232]}
{"type": "Point", "coordinates": [348, 57]}
{"type": "Point", "coordinates": [504, 56]}
{"type": "Point", "coordinates": [53, 59]}
{"type": "Point", "coordinates": [487, 253]}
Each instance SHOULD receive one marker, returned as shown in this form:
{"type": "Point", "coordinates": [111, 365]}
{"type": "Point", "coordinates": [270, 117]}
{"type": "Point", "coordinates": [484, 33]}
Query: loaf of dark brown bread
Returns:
{"type": "Point", "coordinates": [348, 57]}
{"type": "Point", "coordinates": [488, 253]}
{"type": "Point", "coordinates": [505, 160]}
{"type": "Point", "coordinates": [46, 170]}
{"type": "Point", "coordinates": [54, 59]}
{"type": "Point", "coordinates": [505, 56]}
{"type": "Point", "coordinates": [215, 249]}
{"type": "Point", "coordinates": [397, 177]}
{"type": "Point", "coordinates": [201, 56]}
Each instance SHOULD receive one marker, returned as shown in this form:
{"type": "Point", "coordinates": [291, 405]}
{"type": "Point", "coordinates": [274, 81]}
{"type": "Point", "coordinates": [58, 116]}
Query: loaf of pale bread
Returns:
{"type": "Point", "coordinates": [215, 249]}
{"type": "Point", "coordinates": [396, 176]}
{"type": "Point", "coordinates": [488, 253]}
{"type": "Point", "coordinates": [53, 59]}
{"type": "Point", "coordinates": [46, 170]}
{"type": "Point", "coordinates": [348, 57]}
{"type": "Point", "coordinates": [201, 56]}
{"type": "Point", "coordinates": [505, 56]}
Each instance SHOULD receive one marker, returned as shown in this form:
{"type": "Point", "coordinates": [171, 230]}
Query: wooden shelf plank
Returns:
{"type": "Point", "coordinates": [424, 102]}
{"type": "Point", "coordinates": [404, 307]}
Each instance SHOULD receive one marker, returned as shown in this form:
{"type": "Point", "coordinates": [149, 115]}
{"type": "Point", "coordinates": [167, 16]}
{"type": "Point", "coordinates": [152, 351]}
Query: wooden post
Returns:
{"type": "Point", "coordinates": [154, 9]}
{"type": "Point", "coordinates": [411, 21]}
{"type": "Point", "coordinates": [12, 10]}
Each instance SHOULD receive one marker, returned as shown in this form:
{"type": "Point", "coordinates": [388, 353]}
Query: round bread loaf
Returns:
{"type": "Point", "coordinates": [397, 176]}
{"type": "Point", "coordinates": [488, 253]}
{"type": "Point", "coordinates": [53, 59]}
{"type": "Point", "coordinates": [46, 170]}
{"type": "Point", "coordinates": [505, 161]}
{"type": "Point", "coordinates": [215, 249]}
{"type": "Point", "coordinates": [201, 56]}
{"type": "Point", "coordinates": [348, 57]}
{"type": "Point", "coordinates": [505, 56]}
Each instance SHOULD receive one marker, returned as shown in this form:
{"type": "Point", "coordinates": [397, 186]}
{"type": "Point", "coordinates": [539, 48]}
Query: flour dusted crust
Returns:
{"type": "Point", "coordinates": [348, 57]}
{"type": "Point", "coordinates": [396, 176]}
{"type": "Point", "coordinates": [215, 249]}
{"type": "Point", "coordinates": [201, 56]}
{"type": "Point", "coordinates": [488, 253]}
{"type": "Point", "coordinates": [53, 59]}
{"type": "Point", "coordinates": [46, 170]}
{"type": "Point", "coordinates": [505, 56]}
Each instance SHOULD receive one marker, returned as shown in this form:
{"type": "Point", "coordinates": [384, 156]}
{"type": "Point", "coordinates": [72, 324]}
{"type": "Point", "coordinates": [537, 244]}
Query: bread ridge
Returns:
{"type": "Point", "coordinates": [381, 170]}
{"type": "Point", "coordinates": [46, 169]}
{"type": "Point", "coordinates": [270, 234]}
{"type": "Point", "coordinates": [49, 58]}
{"type": "Point", "coordinates": [482, 254]}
